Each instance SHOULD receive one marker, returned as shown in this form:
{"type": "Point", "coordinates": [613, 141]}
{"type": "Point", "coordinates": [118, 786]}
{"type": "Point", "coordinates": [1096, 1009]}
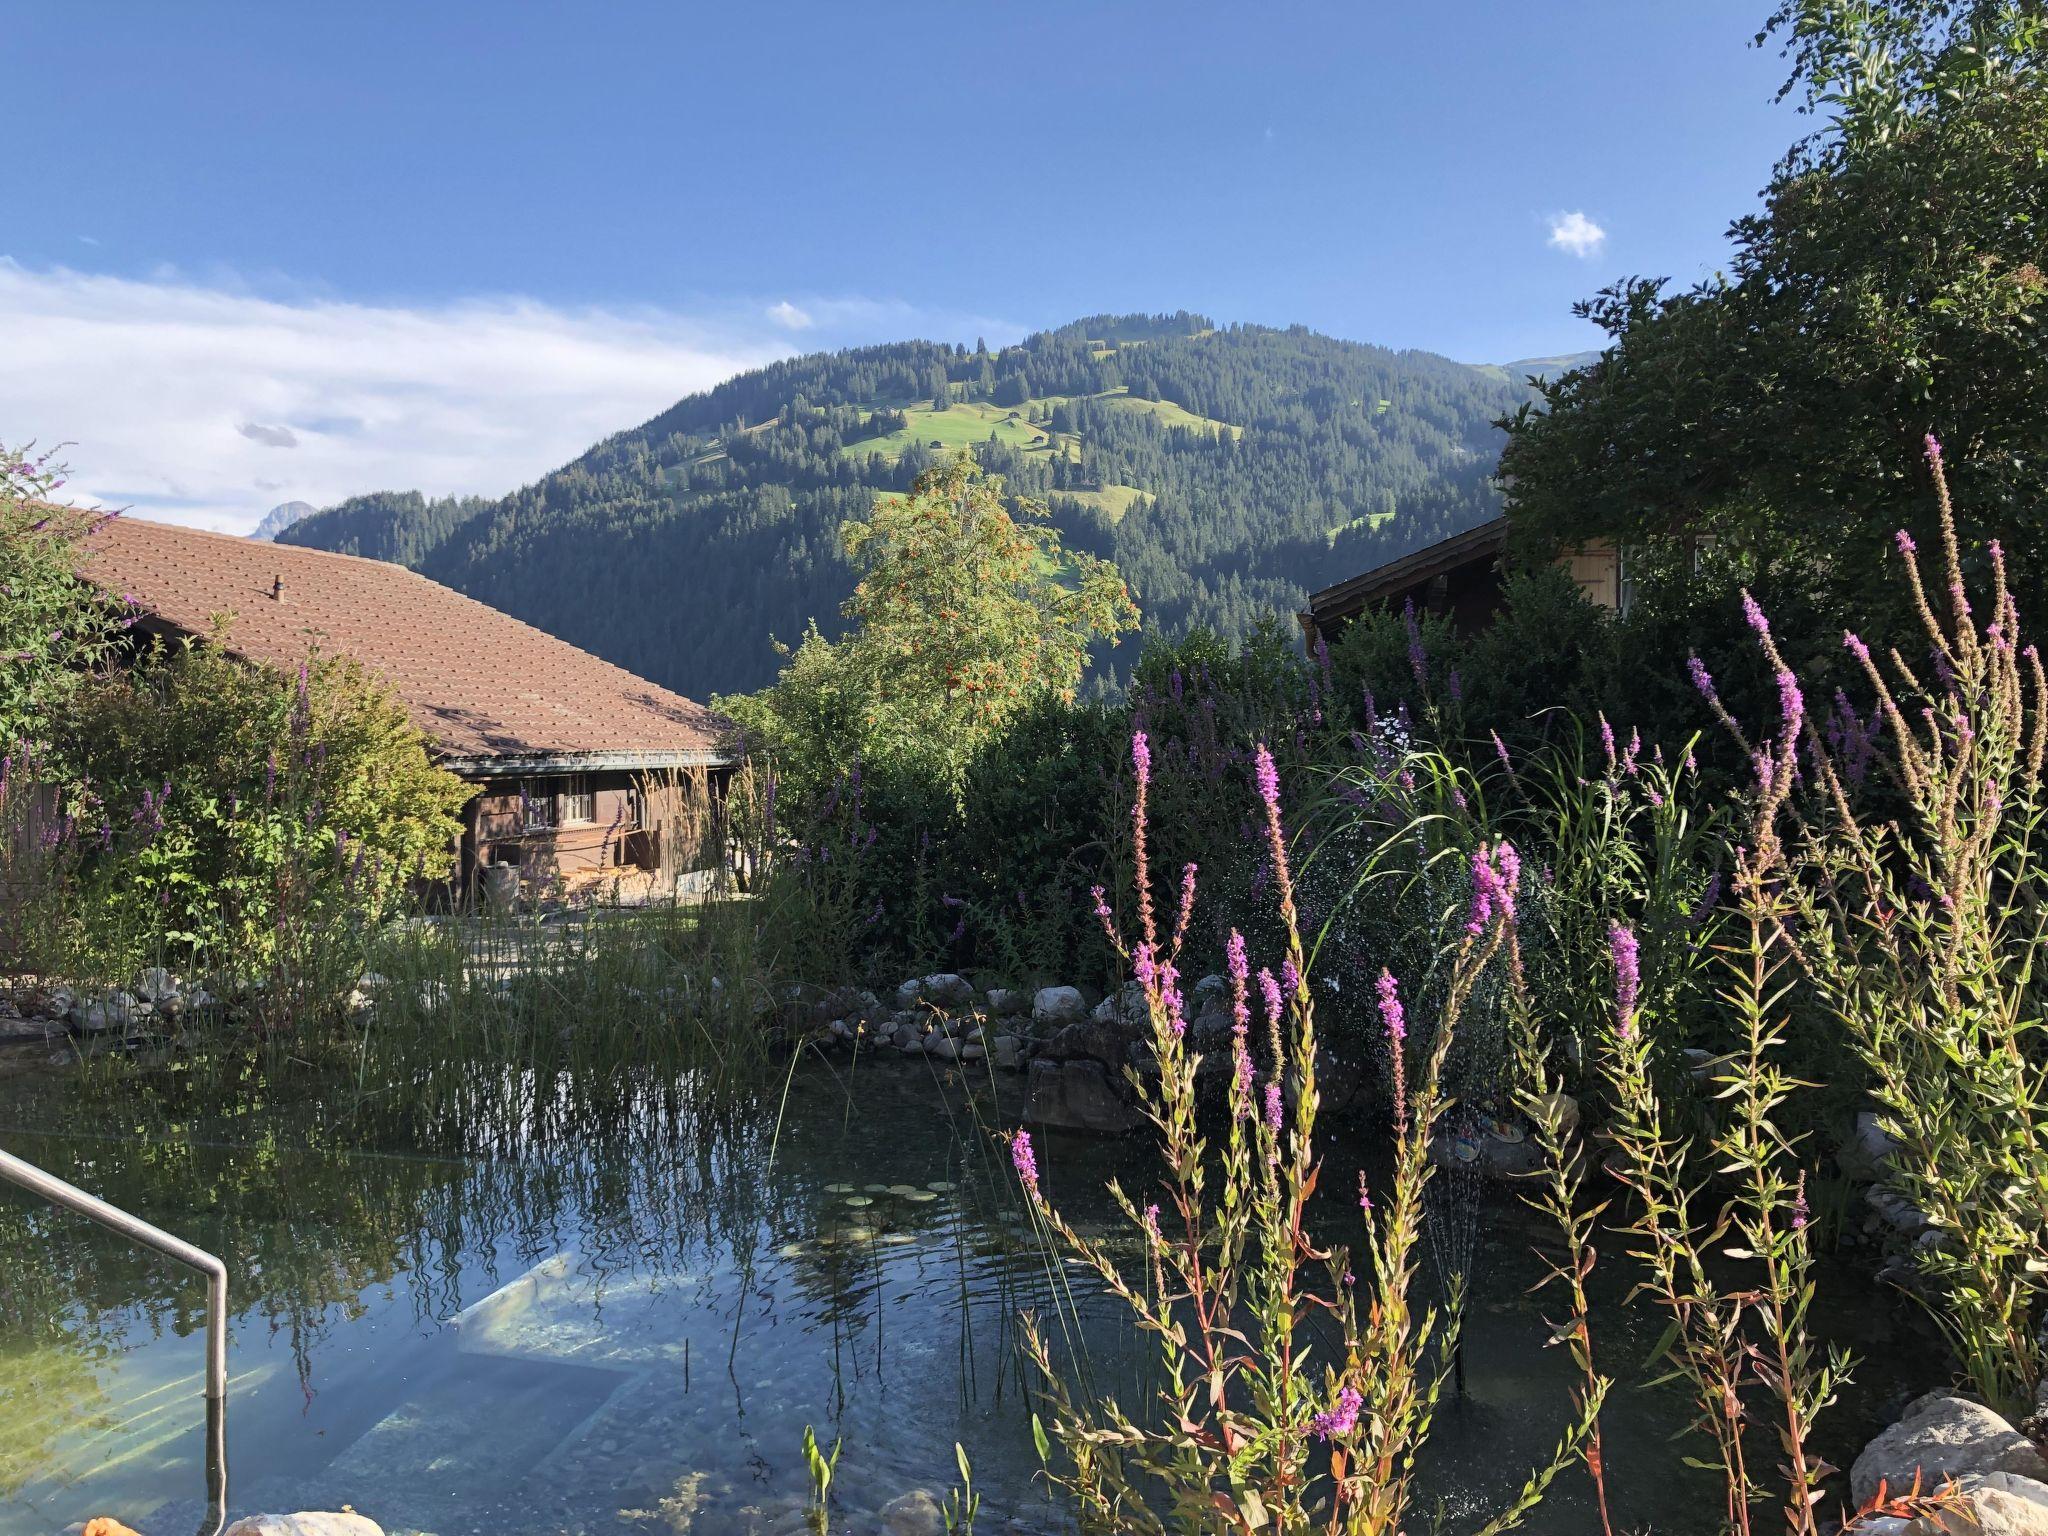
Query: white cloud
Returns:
{"type": "Point", "coordinates": [1576, 234]}
{"type": "Point", "coordinates": [786, 314]}
{"type": "Point", "coordinates": [176, 397]}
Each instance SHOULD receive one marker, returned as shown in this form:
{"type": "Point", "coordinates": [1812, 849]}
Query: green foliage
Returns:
{"type": "Point", "coordinates": [1892, 285]}
{"type": "Point", "coordinates": [239, 807]}
{"type": "Point", "coordinates": [1267, 460]}
{"type": "Point", "coordinates": [54, 626]}
{"type": "Point", "coordinates": [964, 615]}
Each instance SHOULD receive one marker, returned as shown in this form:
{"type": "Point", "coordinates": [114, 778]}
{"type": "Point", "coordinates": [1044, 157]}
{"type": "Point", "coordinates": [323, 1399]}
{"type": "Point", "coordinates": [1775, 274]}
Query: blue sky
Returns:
{"type": "Point", "coordinates": [450, 244]}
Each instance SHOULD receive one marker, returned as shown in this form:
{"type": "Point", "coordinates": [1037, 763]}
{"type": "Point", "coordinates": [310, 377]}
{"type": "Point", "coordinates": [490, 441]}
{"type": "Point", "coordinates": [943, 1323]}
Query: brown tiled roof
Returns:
{"type": "Point", "coordinates": [480, 683]}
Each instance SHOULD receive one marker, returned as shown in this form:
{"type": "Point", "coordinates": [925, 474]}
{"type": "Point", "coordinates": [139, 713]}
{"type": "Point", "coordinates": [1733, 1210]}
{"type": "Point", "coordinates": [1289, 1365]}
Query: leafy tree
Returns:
{"type": "Point", "coordinates": [54, 626]}
{"type": "Point", "coordinates": [968, 609]}
{"type": "Point", "coordinates": [1891, 287]}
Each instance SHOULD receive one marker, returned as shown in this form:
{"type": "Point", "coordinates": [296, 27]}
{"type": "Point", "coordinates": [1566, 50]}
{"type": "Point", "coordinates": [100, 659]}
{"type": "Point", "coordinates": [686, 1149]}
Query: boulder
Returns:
{"type": "Point", "coordinates": [944, 1048]}
{"type": "Point", "coordinates": [155, 984]}
{"type": "Point", "coordinates": [1008, 1002]}
{"type": "Point", "coordinates": [1997, 1504]}
{"type": "Point", "coordinates": [1008, 1052]}
{"type": "Point", "coordinates": [1057, 1007]}
{"type": "Point", "coordinates": [305, 1523]}
{"type": "Point", "coordinates": [99, 1015]}
{"type": "Point", "coordinates": [1090, 1039]}
{"type": "Point", "coordinates": [104, 1526]}
{"type": "Point", "coordinates": [1077, 1096]}
{"type": "Point", "coordinates": [915, 1513]}
{"type": "Point", "coordinates": [1867, 1153]}
{"type": "Point", "coordinates": [1942, 1436]}
{"type": "Point", "coordinates": [945, 989]}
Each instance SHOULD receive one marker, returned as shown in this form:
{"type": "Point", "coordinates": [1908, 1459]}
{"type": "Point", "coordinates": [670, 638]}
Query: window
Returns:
{"type": "Point", "coordinates": [579, 801]}
{"type": "Point", "coordinates": [536, 805]}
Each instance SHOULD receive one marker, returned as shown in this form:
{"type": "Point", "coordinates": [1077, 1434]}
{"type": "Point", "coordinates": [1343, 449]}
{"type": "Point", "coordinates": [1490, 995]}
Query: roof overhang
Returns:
{"type": "Point", "coordinates": [1349, 598]}
{"type": "Point", "coordinates": [531, 764]}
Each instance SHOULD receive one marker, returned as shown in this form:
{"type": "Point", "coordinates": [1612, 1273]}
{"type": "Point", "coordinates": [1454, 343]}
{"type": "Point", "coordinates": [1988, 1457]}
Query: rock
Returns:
{"type": "Point", "coordinates": [1896, 1211]}
{"type": "Point", "coordinates": [1943, 1436]}
{"type": "Point", "coordinates": [1057, 1007]}
{"type": "Point", "coordinates": [1209, 1030]}
{"type": "Point", "coordinates": [947, 990]}
{"type": "Point", "coordinates": [1008, 1052]}
{"type": "Point", "coordinates": [973, 1050]}
{"type": "Point", "coordinates": [1996, 1504]}
{"type": "Point", "coordinates": [915, 1513]}
{"type": "Point", "coordinates": [155, 985]}
{"type": "Point", "coordinates": [1867, 1153]}
{"type": "Point", "coordinates": [1008, 1002]}
{"type": "Point", "coordinates": [305, 1523]}
{"type": "Point", "coordinates": [943, 1048]}
{"type": "Point", "coordinates": [1089, 1039]}
{"type": "Point", "coordinates": [103, 1014]}
{"type": "Point", "coordinates": [1699, 1064]}
{"type": "Point", "coordinates": [103, 1526]}
{"type": "Point", "coordinates": [1212, 991]}
{"type": "Point", "coordinates": [1077, 1096]}
{"type": "Point", "coordinates": [907, 993]}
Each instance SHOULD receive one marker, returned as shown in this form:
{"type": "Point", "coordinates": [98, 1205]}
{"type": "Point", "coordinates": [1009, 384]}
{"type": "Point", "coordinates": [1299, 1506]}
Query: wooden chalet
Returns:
{"type": "Point", "coordinates": [560, 746]}
{"type": "Point", "coordinates": [1459, 578]}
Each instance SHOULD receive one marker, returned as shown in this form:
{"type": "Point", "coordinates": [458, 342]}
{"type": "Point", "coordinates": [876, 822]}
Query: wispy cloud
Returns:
{"type": "Point", "coordinates": [1576, 235]}
{"type": "Point", "coordinates": [178, 395]}
{"type": "Point", "coordinates": [787, 315]}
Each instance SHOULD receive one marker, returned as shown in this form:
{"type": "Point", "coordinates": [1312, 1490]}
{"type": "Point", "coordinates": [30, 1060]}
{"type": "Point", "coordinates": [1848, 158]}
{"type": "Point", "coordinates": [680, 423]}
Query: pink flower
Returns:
{"type": "Point", "coordinates": [1856, 647]}
{"type": "Point", "coordinates": [1905, 542]}
{"type": "Point", "coordinates": [1752, 615]}
{"type": "Point", "coordinates": [1152, 1221]}
{"type": "Point", "coordinates": [1273, 1109]}
{"type": "Point", "coordinates": [1933, 449]}
{"type": "Point", "coordinates": [1268, 778]}
{"type": "Point", "coordinates": [1621, 943]}
{"type": "Point", "coordinates": [1270, 990]}
{"type": "Point", "coordinates": [1025, 1161]}
{"type": "Point", "coordinates": [1364, 1195]}
{"type": "Point", "coordinates": [1391, 1012]}
{"type": "Point", "coordinates": [1141, 757]}
{"type": "Point", "coordinates": [1343, 1418]}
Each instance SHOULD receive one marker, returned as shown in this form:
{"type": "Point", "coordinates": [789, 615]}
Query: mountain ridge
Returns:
{"type": "Point", "coordinates": [1227, 471]}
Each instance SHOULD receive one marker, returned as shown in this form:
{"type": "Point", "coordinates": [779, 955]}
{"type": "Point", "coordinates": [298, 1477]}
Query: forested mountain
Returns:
{"type": "Point", "coordinates": [1226, 471]}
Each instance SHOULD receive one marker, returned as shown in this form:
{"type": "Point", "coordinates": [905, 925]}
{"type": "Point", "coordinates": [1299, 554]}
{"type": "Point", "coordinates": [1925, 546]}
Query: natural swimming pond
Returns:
{"type": "Point", "coordinates": [551, 1306]}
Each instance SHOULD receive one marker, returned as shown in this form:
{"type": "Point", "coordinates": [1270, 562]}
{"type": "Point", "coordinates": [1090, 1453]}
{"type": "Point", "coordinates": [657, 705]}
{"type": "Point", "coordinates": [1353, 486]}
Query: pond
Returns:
{"type": "Point", "coordinates": [596, 1307]}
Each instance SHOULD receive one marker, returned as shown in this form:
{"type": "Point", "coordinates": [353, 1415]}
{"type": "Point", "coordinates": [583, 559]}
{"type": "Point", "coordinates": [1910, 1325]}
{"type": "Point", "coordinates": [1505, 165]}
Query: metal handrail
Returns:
{"type": "Point", "coordinates": [37, 1182]}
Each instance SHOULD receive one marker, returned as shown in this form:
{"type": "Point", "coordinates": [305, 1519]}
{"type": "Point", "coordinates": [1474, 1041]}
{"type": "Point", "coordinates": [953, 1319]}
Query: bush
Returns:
{"type": "Point", "coordinates": [224, 806]}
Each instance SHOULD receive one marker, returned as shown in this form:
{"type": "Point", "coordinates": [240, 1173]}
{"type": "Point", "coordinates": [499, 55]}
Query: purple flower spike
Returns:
{"type": "Point", "coordinates": [1141, 757]}
{"type": "Point", "coordinates": [1702, 679]}
{"type": "Point", "coordinates": [1025, 1161]}
{"type": "Point", "coordinates": [1933, 449]}
{"type": "Point", "coordinates": [1752, 615]}
{"type": "Point", "coordinates": [1627, 977]}
{"type": "Point", "coordinates": [1856, 647]}
{"type": "Point", "coordinates": [1268, 778]}
{"type": "Point", "coordinates": [1270, 990]}
{"type": "Point", "coordinates": [1273, 1108]}
{"type": "Point", "coordinates": [1905, 542]}
{"type": "Point", "coordinates": [1391, 1012]}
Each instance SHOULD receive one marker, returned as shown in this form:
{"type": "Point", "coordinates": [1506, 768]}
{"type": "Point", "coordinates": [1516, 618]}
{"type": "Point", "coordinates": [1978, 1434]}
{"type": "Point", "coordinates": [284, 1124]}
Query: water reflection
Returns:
{"type": "Point", "coordinates": [502, 1301]}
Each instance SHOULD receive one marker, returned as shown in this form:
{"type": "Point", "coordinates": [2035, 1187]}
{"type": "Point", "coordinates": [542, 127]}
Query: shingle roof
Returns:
{"type": "Point", "coordinates": [479, 682]}
{"type": "Point", "coordinates": [1349, 598]}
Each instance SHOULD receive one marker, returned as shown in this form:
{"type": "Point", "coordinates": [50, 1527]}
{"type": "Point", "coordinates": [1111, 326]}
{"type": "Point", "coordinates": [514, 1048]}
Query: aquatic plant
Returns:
{"type": "Point", "coordinates": [820, 1467]}
{"type": "Point", "coordinates": [1287, 1397]}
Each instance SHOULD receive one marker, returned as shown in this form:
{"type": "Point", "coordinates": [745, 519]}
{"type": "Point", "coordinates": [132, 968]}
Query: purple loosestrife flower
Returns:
{"type": "Point", "coordinates": [1141, 758]}
{"type": "Point", "coordinates": [1801, 1213]}
{"type": "Point", "coordinates": [1791, 704]}
{"type": "Point", "coordinates": [1500, 750]}
{"type": "Point", "coordinates": [1396, 1021]}
{"type": "Point", "coordinates": [1152, 1222]}
{"type": "Point", "coordinates": [1855, 646]}
{"type": "Point", "coordinates": [1268, 777]}
{"type": "Point", "coordinates": [1621, 943]}
{"type": "Point", "coordinates": [1275, 1115]}
{"type": "Point", "coordinates": [1455, 685]}
{"type": "Point", "coordinates": [1364, 1194]}
{"type": "Point", "coordinates": [1933, 449]}
{"type": "Point", "coordinates": [1343, 1418]}
{"type": "Point", "coordinates": [1269, 989]}
{"type": "Point", "coordinates": [1607, 741]}
{"type": "Point", "coordinates": [1752, 615]}
{"type": "Point", "coordinates": [1906, 545]}
{"type": "Point", "coordinates": [1418, 658]}
{"type": "Point", "coordinates": [1025, 1161]}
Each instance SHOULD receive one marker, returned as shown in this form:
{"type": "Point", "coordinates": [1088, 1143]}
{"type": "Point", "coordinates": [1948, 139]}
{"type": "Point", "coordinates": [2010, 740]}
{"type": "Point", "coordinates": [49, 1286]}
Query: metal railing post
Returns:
{"type": "Point", "coordinates": [37, 1182]}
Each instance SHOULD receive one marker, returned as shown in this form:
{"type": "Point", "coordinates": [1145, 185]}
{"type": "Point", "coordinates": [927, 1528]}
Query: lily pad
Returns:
{"type": "Point", "coordinates": [941, 1187]}
{"type": "Point", "coordinates": [858, 1201]}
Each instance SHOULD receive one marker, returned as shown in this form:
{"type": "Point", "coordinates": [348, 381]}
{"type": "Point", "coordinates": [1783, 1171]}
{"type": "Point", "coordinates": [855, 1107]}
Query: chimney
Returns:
{"type": "Point", "coordinates": [277, 589]}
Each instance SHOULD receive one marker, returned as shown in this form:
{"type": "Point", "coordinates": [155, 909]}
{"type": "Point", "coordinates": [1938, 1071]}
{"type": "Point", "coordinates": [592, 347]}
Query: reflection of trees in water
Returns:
{"type": "Point", "coordinates": [49, 1371]}
{"type": "Point", "coordinates": [282, 1174]}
